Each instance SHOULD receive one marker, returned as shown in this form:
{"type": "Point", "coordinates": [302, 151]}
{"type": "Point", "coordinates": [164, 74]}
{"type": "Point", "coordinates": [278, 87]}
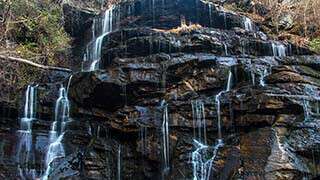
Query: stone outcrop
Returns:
{"type": "Point", "coordinates": [269, 104]}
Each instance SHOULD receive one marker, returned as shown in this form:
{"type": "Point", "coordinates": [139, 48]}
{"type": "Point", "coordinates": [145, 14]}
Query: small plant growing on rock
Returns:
{"type": "Point", "coordinates": [315, 45]}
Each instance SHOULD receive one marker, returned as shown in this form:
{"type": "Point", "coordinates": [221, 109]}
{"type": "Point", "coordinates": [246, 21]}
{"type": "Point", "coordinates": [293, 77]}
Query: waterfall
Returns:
{"type": "Point", "coordinates": [199, 121]}
{"type": "Point", "coordinates": [143, 133]}
{"type": "Point", "coordinates": [25, 150]}
{"type": "Point", "coordinates": [311, 103]}
{"type": "Point", "coordinates": [229, 84]}
{"type": "Point", "coordinates": [69, 84]}
{"type": "Point", "coordinates": [225, 49]}
{"type": "Point", "coordinates": [99, 132]}
{"type": "Point", "coordinates": [93, 29]}
{"type": "Point", "coordinates": [130, 10]}
{"type": "Point", "coordinates": [119, 163]}
{"type": "Point", "coordinates": [243, 47]}
{"type": "Point", "coordinates": [248, 25]}
{"type": "Point", "coordinates": [263, 74]}
{"type": "Point", "coordinates": [61, 114]}
{"type": "Point", "coordinates": [253, 78]}
{"type": "Point", "coordinates": [278, 49]}
{"type": "Point", "coordinates": [219, 114]}
{"type": "Point", "coordinates": [93, 52]}
{"type": "Point", "coordinates": [90, 130]}
{"type": "Point", "coordinates": [307, 109]}
{"type": "Point", "coordinates": [56, 148]}
{"type": "Point", "coordinates": [289, 49]}
{"type": "Point", "coordinates": [165, 137]}
{"type": "Point", "coordinates": [163, 3]}
{"type": "Point", "coordinates": [124, 94]}
{"type": "Point", "coordinates": [225, 19]}
{"type": "Point", "coordinates": [250, 68]}
{"type": "Point", "coordinates": [210, 13]}
{"type": "Point", "coordinates": [202, 166]}
{"type": "Point", "coordinates": [218, 103]}
{"type": "Point", "coordinates": [153, 12]}
{"type": "Point", "coordinates": [30, 105]}
{"type": "Point", "coordinates": [280, 145]}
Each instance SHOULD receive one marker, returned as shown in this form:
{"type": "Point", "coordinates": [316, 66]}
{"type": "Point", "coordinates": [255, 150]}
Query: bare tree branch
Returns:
{"type": "Point", "coordinates": [53, 68]}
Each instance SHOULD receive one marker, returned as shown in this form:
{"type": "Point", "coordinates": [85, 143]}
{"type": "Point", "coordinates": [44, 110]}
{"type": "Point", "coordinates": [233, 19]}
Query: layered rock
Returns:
{"type": "Point", "coordinates": [268, 102]}
{"type": "Point", "coordinates": [143, 66]}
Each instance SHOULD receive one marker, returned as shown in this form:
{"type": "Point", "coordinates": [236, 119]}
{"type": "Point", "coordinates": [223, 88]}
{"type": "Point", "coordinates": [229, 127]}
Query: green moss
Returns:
{"type": "Point", "coordinates": [315, 45]}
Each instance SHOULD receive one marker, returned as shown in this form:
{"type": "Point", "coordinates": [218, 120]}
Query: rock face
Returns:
{"type": "Point", "coordinates": [259, 96]}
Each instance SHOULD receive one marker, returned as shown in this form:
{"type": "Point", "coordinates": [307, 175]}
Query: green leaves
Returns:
{"type": "Point", "coordinates": [36, 26]}
{"type": "Point", "coordinates": [315, 45]}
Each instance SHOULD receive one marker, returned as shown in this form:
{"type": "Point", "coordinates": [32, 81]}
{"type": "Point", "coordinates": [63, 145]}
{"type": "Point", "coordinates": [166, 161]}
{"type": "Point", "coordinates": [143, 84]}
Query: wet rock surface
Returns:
{"type": "Point", "coordinates": [268, 102]}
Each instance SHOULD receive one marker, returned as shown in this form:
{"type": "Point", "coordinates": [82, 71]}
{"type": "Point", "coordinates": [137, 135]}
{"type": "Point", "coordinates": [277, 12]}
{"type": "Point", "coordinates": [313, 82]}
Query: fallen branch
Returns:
{"type": "Point", "coordinates": [34, 64]}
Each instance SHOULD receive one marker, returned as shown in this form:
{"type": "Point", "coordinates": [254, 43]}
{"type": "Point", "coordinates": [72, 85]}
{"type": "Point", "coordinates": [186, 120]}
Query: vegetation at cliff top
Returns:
{"type": "Point", "coordinates": [296, 21]}
{"type": "Point", "coordinates": [34, 28]}
{"type": "Point", "coordinates": [315, 45]}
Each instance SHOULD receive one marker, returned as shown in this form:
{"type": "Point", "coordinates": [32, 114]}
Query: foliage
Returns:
{"type": "Point", "coordinates": [304, 14]}
{"type": "Point", "coordinates": [36, 27]}
{"type": "Point", "coordinates": [27, 74]}
{"type": "Point", "coordinates": [295, 21]}
{"type": "Point", "coordinates": [315, 45]}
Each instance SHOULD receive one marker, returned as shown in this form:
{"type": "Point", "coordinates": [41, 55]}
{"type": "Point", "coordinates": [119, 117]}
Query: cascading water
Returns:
{"type": "Point", "coordinates": [248, 25]}
{"type": "Point", "coordinates": [30, 102]}
{"type": "Point", "coordinates": [93, 29]}
{"type": "Point", "coordinates": [56, 148]}
{"type": "Point", "coordinates": [225, 19]}
{"type": "Point", "coordinates": [202, 166]}
{"type": "Point", "coordinates": [311, 103]}
{"type": "Point", "coordinates": [278, 49]}
{"type": "Point", "coordinates": [229, 84]}
{"type": "Point", "coordinates": [217, 99]}
{"type": "Point", "coordinates": [210, 13]}
{"type": "Point", "coordinates": [264, 72]}
{"type": "Point", "coordinates": [219, 115]}
{"type": "Point", "coordinates": [69, 84]}
{"type": "Point", "coordinates": [130, 10]}
{"type": "Point", "coordinates": [143, 133]}
{"type": "Point", "coordinates": [93, 52]}
{"type": "Point", "coordinates": [25, 154]}
{"type": "Point", "coordinates": [119, 163]}
{"type": "Point", "coordinates": [153, 11]}
{"type": "Point", "coordinates": [225, 49]}
{"type": "Point", "coordinates": [310, 100]}
{"type": "Point", "coordinates": [199, 121]}
{"type": "Point", "coordinates": [250, 68]}
{"type": "Point", "coordinates": [165, 137]}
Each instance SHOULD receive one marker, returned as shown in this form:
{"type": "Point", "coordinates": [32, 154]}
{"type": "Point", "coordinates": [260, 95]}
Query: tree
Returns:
{"type": "Point", "coordinates": [35, 27]}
